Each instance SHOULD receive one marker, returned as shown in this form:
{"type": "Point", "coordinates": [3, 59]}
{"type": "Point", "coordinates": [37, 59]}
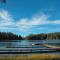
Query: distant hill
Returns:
{"type": "Point", "coordinates": [42, 36]}
{"type": "Point", "coordinates": [9, 36]}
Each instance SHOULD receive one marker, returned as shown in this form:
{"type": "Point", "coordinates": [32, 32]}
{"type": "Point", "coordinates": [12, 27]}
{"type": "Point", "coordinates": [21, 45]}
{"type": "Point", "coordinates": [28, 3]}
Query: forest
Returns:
{"type": "Point", "coordinates": [9, 36]}
{"type": "Point", "coordinates": [46, 36]}
{"type": "Point", "coordinates": [42, 36]}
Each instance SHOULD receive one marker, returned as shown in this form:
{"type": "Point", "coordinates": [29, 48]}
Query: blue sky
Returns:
{"type": "Point", "coordinates": [26, 17]}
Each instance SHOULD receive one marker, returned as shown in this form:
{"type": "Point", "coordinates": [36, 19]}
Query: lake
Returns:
{"type": "Point", "coordinates": [28, 44]}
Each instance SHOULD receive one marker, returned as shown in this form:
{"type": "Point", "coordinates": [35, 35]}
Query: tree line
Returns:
{"type": "Point", "coordinates": [46, 36]}
{"type": "Point", "coordinates": [43, 36]}
{"type": "Point", "coordinates": [9, 36]}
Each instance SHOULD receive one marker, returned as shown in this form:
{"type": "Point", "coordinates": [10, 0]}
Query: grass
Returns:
{"type": "Point", "coordinates": [31, 57]}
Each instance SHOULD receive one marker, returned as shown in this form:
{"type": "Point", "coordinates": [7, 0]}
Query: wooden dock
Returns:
{"type": "Point", "coordinates": [28, 50]}
{"type": "Point", "coordinates": [50, 46]}
{"type": "Point", "coordinates": [15, 50]}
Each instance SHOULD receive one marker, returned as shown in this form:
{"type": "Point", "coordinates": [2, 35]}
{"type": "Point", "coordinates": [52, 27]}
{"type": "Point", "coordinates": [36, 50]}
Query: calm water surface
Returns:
{"type": "Point", "coordinates": [27, 43]}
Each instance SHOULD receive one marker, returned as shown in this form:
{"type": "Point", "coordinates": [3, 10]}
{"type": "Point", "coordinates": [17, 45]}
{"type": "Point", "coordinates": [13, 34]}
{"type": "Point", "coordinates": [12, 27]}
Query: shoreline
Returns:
{"type": "Point", "coordinates": [31, 57]}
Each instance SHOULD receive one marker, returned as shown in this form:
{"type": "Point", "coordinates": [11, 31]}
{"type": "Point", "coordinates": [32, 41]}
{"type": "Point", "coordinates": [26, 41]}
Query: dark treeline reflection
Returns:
{"type": "Point", "coordinates": [42, 36]}
{"type": "Point", "coordinates": [9, 36]}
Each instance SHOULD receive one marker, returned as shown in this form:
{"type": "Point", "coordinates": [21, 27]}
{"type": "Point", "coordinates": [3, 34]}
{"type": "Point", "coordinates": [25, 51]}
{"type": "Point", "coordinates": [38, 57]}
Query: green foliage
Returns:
{"type": "Point", "coordinates": [9, 36]}
{"type": "Point", "coordinates": [49, 36]}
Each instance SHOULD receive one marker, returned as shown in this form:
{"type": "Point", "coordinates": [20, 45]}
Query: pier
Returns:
{"type": "Point", "coordinates": [28, 50]}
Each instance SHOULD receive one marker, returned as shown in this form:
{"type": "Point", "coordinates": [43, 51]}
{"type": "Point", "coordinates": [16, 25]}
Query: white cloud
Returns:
{"type": "Point", "coordinates": [34, 21]}
{"type": "Point", "coordinates": [5, 18]}
{"type": "Point", "coordinates": [24, 24]}
{"type": "Point", "coordinates": [56, 22]}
